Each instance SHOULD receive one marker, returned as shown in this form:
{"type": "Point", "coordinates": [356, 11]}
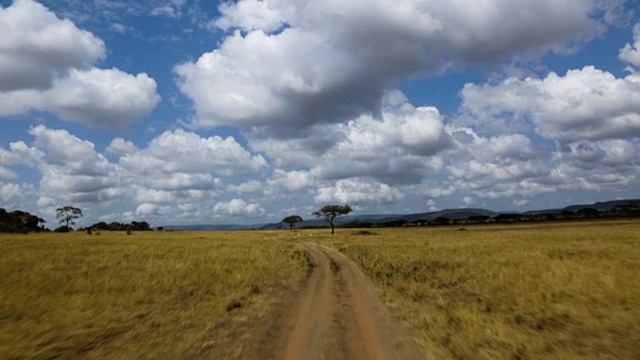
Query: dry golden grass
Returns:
{"type": "Point", "coordinates": [544, 291]}
{"type": "Point", "coordinates": [146, 295]}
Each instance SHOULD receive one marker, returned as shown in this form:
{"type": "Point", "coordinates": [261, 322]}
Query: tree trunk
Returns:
{"type": "Point", "coordinates": [331, 222]}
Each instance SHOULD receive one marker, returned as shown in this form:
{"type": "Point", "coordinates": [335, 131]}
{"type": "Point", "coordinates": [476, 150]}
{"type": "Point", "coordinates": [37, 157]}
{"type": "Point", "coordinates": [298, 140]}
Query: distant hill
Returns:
{"type": "Point", "coordinates": [602, 206]}
{"type": "Point", "coordinates": [384, 218]}
{"type": "Point", "coordinates": [452, 214]}
{"type": "Point", "coordinates": [542, 212]}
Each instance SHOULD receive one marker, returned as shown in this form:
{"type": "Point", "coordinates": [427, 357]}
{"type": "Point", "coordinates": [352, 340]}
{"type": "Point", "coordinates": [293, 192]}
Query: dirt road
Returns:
{"type": "Point", "coordinates": [339, 316]}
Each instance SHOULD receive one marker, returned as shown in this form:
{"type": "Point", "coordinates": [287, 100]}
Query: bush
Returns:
{"type": "Point", "coordinates": [63, 229]}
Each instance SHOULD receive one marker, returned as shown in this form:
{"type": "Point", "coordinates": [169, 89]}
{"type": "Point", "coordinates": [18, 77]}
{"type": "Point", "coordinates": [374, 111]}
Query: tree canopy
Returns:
{"type": "Point", "coordinates": [291, 220]}
{"type": "Point", "coordinates": [19, 221]}
{"type": "Point", "coordinates": [330, 212]}
{"type": "Point", "coordinates": [117, 226]}
{"type": "Point", "coordinates": [68, 214]}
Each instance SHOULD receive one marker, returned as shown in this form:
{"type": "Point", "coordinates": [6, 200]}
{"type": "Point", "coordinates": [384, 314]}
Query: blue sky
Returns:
{"type": "Point", "coordinates": [193, 111]}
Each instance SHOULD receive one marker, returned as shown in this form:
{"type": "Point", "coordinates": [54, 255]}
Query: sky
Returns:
{"type": "Point", "coordinates": [183, 112]}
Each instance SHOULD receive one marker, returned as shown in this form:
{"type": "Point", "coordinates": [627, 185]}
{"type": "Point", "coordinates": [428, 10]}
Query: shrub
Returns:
{"type": "Point", "coordinates": [63, 229]}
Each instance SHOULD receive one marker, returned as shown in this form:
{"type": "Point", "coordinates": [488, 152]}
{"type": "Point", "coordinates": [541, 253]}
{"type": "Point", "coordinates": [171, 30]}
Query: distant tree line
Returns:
{"type": "Point", "coordinates": [19, 221]}
{"type": "Point", "coordinates": [117, 226]}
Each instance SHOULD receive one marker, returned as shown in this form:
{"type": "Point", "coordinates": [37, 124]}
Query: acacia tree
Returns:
{"type": "Point", "coordinates": [330, 212]}
{"type": "Point", "coordinates": [292, 220]}
{"type": "Point", "coordinates": [68, 214]}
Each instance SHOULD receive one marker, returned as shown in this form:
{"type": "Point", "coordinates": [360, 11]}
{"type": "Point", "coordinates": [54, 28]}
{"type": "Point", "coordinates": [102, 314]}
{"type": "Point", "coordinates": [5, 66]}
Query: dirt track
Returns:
{"type": "Point", "coordinates": [339, 316]}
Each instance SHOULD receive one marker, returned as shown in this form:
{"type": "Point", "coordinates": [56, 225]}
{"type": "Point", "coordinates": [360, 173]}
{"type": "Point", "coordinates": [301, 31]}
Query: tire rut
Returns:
{"type": "Point", "coordinates": [339, 316]}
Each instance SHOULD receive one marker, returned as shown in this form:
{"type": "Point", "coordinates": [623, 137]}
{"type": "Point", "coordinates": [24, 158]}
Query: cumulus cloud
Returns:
{"type": "Point", "coordinates": [396, 147]}
{"type": "Point", "coordinates": [16, 195]}
{"type": "Point", "coordinates": [146, 209]}
{"type": "Point", "coordinates": [249, 16]}
{"type": "Point", "coordinates": [433, 206]}
{"type": "Point", "coordinates": [291, 180]}
{"type": "Point", "coordinates": [358, 191]}
{"type": "Point", "coordinates": [38, 48]}
{"type": "Point", "coordinates": [295, 65]}
{"type": "Point", "coordinates": [46, 64]}
{"type": "Point", "coordinates": [7, 174]}
{"type": "Point", "coordinates": [180, 181]}
{"type": "Point", "coordinates": [154, 196]}
{"type": "Point", "coordinates": [120, 146]}
{"type": "Point", "coordinates": [71, 169]}
{"type": "Point", "coordinates": [247, 187]}
{"type": "Point", "coordinates": [181, 151]}
{"type": "Point", "coordinates": [587, 104]}
{"type": "Point", "coordinates": [630, 53]}
{"type": "Point", "coordinates": [236, 208]}
{"type": "Point", "coordinates": [178, 173]}
{"type": "Point", "coordinates": [103, 98]}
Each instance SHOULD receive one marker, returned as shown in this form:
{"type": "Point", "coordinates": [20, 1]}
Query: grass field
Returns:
{"type": "Point", "coordinates": [544, 291]}
{"type": "Point", "coordinates": [146, 295]}
{"type": "Point", "coordinates": [561, 291]}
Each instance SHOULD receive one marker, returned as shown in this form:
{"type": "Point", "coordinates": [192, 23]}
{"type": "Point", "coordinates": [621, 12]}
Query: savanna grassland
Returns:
{"type": "Point", "coordinates": [544, 291]}
{"type": "Point", "coordinates": [525, 291]}
{"type": "Point", "coordinates": [148, 295]}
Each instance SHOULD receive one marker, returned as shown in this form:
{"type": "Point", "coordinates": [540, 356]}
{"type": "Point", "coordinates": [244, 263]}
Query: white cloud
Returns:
{"type": "Point", "coordinates": [630, 53]}
{"type": "Point", "coordinates": [290, 180]}
{"type": "Point", "coordinates": [358, 191]}
{"type": "Point", "coordinates": [46, 201]}
{"type": "Point", "coordinates": [165, 10]}
{"type": "Point", "coordinates": [144, 195]}
{"type": "Point", "coordinates": [433, 189]}
{"type": "Point", "coordinates": [37, 47]}
{"type": "Point", "coordinates": [468, 200]}
{"type": "Point", "coordinates": [7, 174]}
{"type": "Point", "coordinates": [170, 9]}
{"type": "Point", "coordinates": [118, 28]}
{"type": "Point", "coordinates": [12, 192]}
{"type": "Point", "coordinates": [174, 170]}
{"type": "Point", "coordinates": [586, 104]}
{"type": "Point", "coordinates": [249, 16]}
{"type": "Point", "coordinates": [71, 169]}
{"type": "Point", "coordinates": [120, 146]}
{"type": "Point", "coordinates": [334, 60]}
{"type": "Point", "coordinates": [46, 64]}
{"type": "Point", "coordinates": [184, 181]}
{"type": "Point", "coordinates": [146, 209]}
{"type": "Point", "coordinates": [180, 151]}
{"type": "Point", "coordinates": [103, 98]}
{"type": "Point", "coordinates": [394, 147]}
{"type": "Point", "coordinates": [247, 187]}
{"type": "Point", "coordinates": [236, 208]}
{"type": "Point", "coordinates": [8, 157]}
